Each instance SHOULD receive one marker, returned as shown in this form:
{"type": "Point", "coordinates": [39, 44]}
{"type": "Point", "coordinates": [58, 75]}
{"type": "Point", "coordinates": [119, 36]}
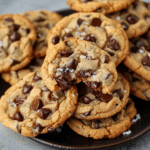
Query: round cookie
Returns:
{"type": "Point", "coordinates": [29, 108]}
{"type": "Point", "coordinates": [108, 34]}
{"type": "Point", "coordinates": [13, 77]}
{"type": "Point", "coordinates": [74, 61]}
{"type": "Point", "coordinates": [43, 20]}
{"type": "Point", "coordinates": [102, 6]}
{"type": "Point", "coordinates": [94, 104]}
{"type": "Point", "coordinates": [105, 128]}
{"type": "Point", "coordinates": [138, 59]}
{"type": "Point", "coordinates": [16, 38]}
{"type": "Point", "coordinates": [139, 86]}
{"type": "Point", "coordinates": [135, 19]}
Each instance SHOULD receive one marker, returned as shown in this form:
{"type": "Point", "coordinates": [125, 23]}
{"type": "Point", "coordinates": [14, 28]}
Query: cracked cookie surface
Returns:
{"type": "Point", "coordinates": [74, 61]}
{"type": "Point", "coordinates": [13, 77]}
{"type": "Point", "coordinates": [103, 6]}
{"type": "Point", "coordinates": [95, 104]}
{"type": "Point", "coordinates": [16, 38]}
{"type": "Point", "coordinates": [135, 19]}
{"type": "Point", "coordinates": [105, 128]}
{"type": "Point", "coordinates": [29, 108]}
{"type": "Point", "coordinates": [138, 59]}
{"type": "Point", "coordinates": [43, 21]}
{"type": "Point", "coordinates": [108, 34]}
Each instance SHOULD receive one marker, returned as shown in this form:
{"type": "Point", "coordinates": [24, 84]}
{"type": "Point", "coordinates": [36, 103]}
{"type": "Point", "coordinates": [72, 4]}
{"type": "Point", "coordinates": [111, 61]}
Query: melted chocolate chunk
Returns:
{"type": "Point", "coordinates": [87, 113]}
{"type": "Point", "coordinates": [106, 59]}
{"type": "Point", "coordinates": [14, 62]}
{"type": "Point", "coordinates": [96, 125]}
{"type": "Point", "coordinates": [66, 36]}
{"type": "Point", "coordinates": [44, 113]}
{"type": "Point", "coordinates": [147, 17]}
{"type": "Point", "coordinates": [27, 31]}
{"type": "Point", "coordinates": [93, 85]}
{"type": "Point", "coordinates": [125, 26]}
{"type": "Point", "coordinates": [113, 45]}
{"type": "Point", "coordinates": [105, 98]}
{"type": "Point", "coordinates": [38, 127]}
{"type": "Point", "coordinates": [132, 19]}
{"type": "Point", "coordinates": [38, 104]}
{"type": "Point", "coordinates": [18, 101]}
{"type": "Point", "coordinates": [96, 22]}
{"type": "Point", "coordinates": [17, 116]}
{"type": "Point", "coordinates": [27, 89]}
{"type": "Point", "coordinates": [15, 37]}
{"type": "Point", "coordinates": [72, 64]}
{"type": "Point", "coordinates": [90, 37]}
{"type": "Point", "coordinates": [146, 61]}
{"type": "Point", "coordinates": [9, 19]}
{"type": "Point", "coordinates": [15, 27]}
{"type": "Point", "coordinates": [119, 93]}
{"type": "Point", "coordinates": [79, 22]}
{"type": "Point", "coordinates": [86, 100]}
{"type": "Point", "coordinates": [52, 98]}
{"type": "Point", "coordinates": [86, 1]}
{"type": "Point", "coordinates": [40, 19]}
{"type": "Point", "coordinates": [85, 73]}
{"type": "Point", "coordinates": [65, 72]}
{"type": "Point", "coordinates": [36, 78]}
{"type": "Point", "coordinates": [55, 40]}
{"type": "Point", "coordinates": [65, 54]}
{"type": "Point", "coordinates": [110, 53]}
{"type": "Point", "coordinates": [81, 88]}
{"type": "Point", "coordinates": [63, 83]}
{"type": "Point", "coordinates": [97, 94]}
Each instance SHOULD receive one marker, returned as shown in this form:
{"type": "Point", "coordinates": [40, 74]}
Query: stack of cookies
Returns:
{"type": "Point", "coordinates": [66, 69]}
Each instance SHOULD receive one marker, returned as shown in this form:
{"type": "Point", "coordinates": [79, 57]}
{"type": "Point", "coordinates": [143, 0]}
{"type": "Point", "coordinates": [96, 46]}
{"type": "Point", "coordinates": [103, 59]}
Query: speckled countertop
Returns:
{"type": "Point", "coordinates": [10, 140]}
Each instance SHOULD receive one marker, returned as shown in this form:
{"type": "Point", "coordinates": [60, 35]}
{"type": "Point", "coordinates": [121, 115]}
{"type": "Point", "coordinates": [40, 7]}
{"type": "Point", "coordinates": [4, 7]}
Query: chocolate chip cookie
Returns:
{"type": "Point", "coordinates": [95, 104]}
{"type": "Point", "coordinates": [140, 87]}
{"type": "Point", "coordinates": [105, 128]}
{"type": "Point", "coordinates": [43, 20]}
{"type": "Point", "coordinates": [74, 61]}
{"type": "Point", "coordinates": [108, 34]}
{"type": "Point", "coordinates": [135, 19]}
{"type": "Point", "coordinates": [138, 59]}
{"type": "Point", "coordinates": [29, 108]}
{"type": "Point", "coordinates": [13, 77]}
{"type": "Point", "coordinates": [103, 6]}
{"type": "Point", "coordinates": [16, 38]}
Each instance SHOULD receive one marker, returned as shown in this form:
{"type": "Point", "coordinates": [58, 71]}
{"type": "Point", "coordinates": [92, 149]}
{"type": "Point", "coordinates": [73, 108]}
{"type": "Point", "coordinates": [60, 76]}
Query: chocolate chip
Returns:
{"type": "Point", "coordinates": [17, 116]}
{"type": "Point", "coordinates": [81, 88]}
{"type": "Point", "coordinates": [146, 4]}
{"type": "Point", "coordinates": [27, 31]}
{"type": "Point", "coordinates": [135, 5]}
{"type": "Point", "coordinates": [119, 93]}
{"type": "Point", "coordinates": [108, 76]}
{"type": "Point", "coordinates": [79, 22]}
{"type": "Point", "coordinates": [15, 27]}
{"type": "Point", "coordinates": [96, 125]}
{"type": "Point", "coordinates": [65, 54]}
{"type": "Point", "coordinates": [45, 89]}
{"type": "Point", "coordinates": [65, 72]}
{"type": "Point", "coordinates": [86, 1]}
{"type": "Point", "coordinates": [86, 100]}
{"type": "Point", "coordinates": [72, 64]}
{"type": "Point", "coordinates": [66, 36]}
{"type": "Point", "coordinates": [18, 101]}
{"type": "Point", "coordinates": [38, 127]}
{"type": "Point", "coordinates": [37, 104]}
{"type": "Point", "coordinates": [93, 85]}
{"type": "Point", "coordinates": [85, 73]}
{"type": "Point", "coordinates": [14, 62]}
{"type": "Point", "coordinates": [15, 37]}
{"type": "Point", "coordinates": [55, 40]}
{"type": "Point", "coordinates": [146, 61]}
{"type": "Point", "coordinates": [113, 45]}
{"type": "Point", "coordinates": [105, 98]}
{"type": "Point", "coordinates": [139, 43]}
{"type": "Point", "coordinates": [110, 53]}
{"type": "Point", "coordinates": [87, 113]}
{"type": "Point", "coordinates": [147, 17]}
{"type": "Point", "coordinates": [106, 59]}
{"type": "Point", "coordinates": [52, 97]}
{"type": "Point", "coordinates": [63, 83]}
{"type": "Point", "coordinates": [44, 113]}
{"type": "Point", "coordinates": [90, 37]}
{"type": "Point", "coordinates": [40, 19]}
{"type": "Point", "coordinates": [125, 26]}
{"type": "Point", "coordinates": [115, 117]}
{"type": "Point", "coordinates": [27, 89]}
{"type": "Point", "coordinates": [36, 78]}
{"type": "Point", "coordinates": [132, 19]}
{"type": "Point", "coordinates": [97, 94]}
{"type": "Point", "coordinates": [9, 19]}
{"type": "Point", "coordinates": [96, 22]}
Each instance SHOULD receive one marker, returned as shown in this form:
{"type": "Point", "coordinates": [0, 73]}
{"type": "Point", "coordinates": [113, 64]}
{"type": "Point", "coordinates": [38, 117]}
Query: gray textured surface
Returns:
{"type": "Point", "coordinates": [10, 140]}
